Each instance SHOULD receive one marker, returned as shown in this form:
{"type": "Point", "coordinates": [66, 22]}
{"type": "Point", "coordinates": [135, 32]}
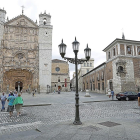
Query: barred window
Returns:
{"type": "Point", "coordinates": [93, 86]}
{"type": "Point", "coordinates": [108, 55]}
{"type": "Point", "coordinates": [98, 86]}
{"type": "Point", "coordinates": [102, 85]}
{"type": "Point", "coordinates": [114, 53]}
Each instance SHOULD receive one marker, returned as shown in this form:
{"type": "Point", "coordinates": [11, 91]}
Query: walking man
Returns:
{"type": "Point", "coordinates": [139, 99]}
{"type": "Point", "coordinates": [10, 108]}
{"type": "Point", "coordinates": [3, 99]}
{"type": "Point", "coordinates": [112, 94]}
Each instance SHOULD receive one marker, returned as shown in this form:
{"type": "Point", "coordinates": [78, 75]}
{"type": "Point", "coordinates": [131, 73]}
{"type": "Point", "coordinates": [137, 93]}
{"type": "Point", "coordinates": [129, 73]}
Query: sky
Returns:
{"type": "Point", "coordinates": [96, 22]}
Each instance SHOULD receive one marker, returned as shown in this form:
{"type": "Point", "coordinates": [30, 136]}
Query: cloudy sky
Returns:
{"type": "Point", "coordinates": [96, 22]}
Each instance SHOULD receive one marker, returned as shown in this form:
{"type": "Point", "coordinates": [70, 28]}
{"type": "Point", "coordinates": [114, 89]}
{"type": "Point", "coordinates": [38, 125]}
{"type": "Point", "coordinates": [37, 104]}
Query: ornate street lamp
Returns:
{"type": "Point", "coordinates": [62, 50]}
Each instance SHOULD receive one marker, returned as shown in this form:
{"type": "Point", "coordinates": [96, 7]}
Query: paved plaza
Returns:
{"type": "Point", "coordinates": [51, 116]}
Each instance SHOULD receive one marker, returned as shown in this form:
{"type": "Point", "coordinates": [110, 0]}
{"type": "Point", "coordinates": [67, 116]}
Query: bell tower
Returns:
{"type": "Point", "coordinates": [45, 52]}
{"type": "Point", "coordinates": [2, 21]}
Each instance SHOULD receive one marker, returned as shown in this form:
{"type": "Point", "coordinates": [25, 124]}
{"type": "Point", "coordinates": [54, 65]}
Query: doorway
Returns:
{"type": "Point", "coordinates": [111, 85]}
{"type": "Point", "coordinates": [18, 84]}
{"type": "Point", "coordinates": [59, 87]}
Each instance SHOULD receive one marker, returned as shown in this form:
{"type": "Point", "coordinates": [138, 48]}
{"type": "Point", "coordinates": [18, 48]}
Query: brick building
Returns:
{"type": "Point", "coordinates": [120, 72]}
{"type": "Point", "coordinates": [84, 68]}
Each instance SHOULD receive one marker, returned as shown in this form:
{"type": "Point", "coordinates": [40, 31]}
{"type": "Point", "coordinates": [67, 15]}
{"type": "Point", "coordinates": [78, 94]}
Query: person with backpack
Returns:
{"type": "Point", "coordinates": [10, 108]}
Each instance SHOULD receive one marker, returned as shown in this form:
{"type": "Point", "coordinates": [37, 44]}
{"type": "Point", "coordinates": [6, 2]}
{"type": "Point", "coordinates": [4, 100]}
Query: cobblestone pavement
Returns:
{"type": "Point", "coordinates": [37, 116]}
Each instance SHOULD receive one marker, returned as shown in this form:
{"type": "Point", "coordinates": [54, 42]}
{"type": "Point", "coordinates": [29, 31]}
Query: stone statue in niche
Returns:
{"type": "Point", "coordinates": [20, 56]}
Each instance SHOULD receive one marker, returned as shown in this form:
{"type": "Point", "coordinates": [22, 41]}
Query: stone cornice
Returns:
{"type": "Point", "coordinates": [121, 41]}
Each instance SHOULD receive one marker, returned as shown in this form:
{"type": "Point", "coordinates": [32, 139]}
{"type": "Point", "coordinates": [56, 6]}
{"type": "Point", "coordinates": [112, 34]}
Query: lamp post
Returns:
{"type": "Point", "coordinates": [62, 50]}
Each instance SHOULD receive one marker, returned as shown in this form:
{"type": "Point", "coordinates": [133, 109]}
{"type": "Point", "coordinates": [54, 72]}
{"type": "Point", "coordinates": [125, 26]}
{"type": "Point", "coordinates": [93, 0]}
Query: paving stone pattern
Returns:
{"type": "Point", "coordinates": [34, 117]}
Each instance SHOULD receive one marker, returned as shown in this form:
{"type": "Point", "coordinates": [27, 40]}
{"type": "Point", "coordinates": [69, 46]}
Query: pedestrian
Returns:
{"type": "Point", "coordinates": [16, 94]}
{"type": "Point", "coordinates": [139, 99]}
{"type": "Point", "coordinates": [109, 93]}
{"type": "Point", "coordinates": [112, 94]}
{"type": "Point", "coordinates": [3, 99]}
{"type": "Point", "coordinates": [10, 108]}
{"type": "Point", "coordinates": [58, 91]}
{"type": "Point", "coordinates": [18, 102]}
{"type": "Point", "coordinates": [33, 93]}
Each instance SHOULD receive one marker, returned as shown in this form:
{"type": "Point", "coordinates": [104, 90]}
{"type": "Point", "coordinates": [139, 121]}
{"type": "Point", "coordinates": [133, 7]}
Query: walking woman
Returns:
{"type": "Point", "coordinates": [18, 102]}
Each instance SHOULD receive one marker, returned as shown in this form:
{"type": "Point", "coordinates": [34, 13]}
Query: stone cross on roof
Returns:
{"type": "Point", "coordinates": [22, 9]}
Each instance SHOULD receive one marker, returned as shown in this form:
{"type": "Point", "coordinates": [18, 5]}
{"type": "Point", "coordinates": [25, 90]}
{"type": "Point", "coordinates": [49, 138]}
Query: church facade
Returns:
{"type": "Point", "coordinates": [25, 53]}
{"type": "Point", "coordinates": [60, 76]}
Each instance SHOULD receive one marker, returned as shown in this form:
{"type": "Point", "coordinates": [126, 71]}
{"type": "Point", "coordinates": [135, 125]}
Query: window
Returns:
{"type": "Point", "coordinates": [87, 70]}
{"type": "Point", "coordinates": [84, 64]}
{"type": "Point", "coordinates": [114, 52]}
{"type": "Point", "coordinates": [93, 78]}
{"type": "Point", "coordinates": [102, 75]}
{"type": "Point", "coordinates": [128, 49]}
{"type": "Point", "coordinates": [98, 86]}
{"type": "Point", "coordinates": [87, 64]}
{"type": "Point", "coordinates": [44, 21]}
{"type": "Point", "coordinates": [55, 85]}
{"type": "Point", "coordinates": [108, 55]}
{"type": "Point", "coordinates": [87, 85]}
{"type": "Point", "coordinates": [93, 86]}
{"type": "Point", "coordinates": [58, 80]}
{"type": "Point", "coordinates": [102, 85]}
{"type": "Point", "coordinates": [57, 69]}
{"type": "Point", "coordinates": [91, 64]}
{"type": "Point", "coordinates": [139, 50]}
{"type": "Point", "coordinates": [120, 69]}
{"type": "Point", "coordinates": [98, 78]}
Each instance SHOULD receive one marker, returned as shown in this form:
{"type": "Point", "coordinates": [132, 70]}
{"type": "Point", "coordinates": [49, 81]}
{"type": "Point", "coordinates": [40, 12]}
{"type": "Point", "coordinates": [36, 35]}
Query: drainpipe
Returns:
{"type": "Point", "coordinates": [105, 77]}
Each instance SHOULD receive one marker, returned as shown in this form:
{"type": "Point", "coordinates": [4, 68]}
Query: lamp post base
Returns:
{"type": "Point", "coordinates": [77, 122]}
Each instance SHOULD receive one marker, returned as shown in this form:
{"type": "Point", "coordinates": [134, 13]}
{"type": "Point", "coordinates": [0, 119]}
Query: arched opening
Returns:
{"type": "Point", "coordinates": [44, 21]}
{"type": "Point", "coordinates": [120, 69]}
{"type": "Point", "coordinates": [13, 76]}
{"type": "Point", "coordinates": [59, 87]}
{"type": "Point", "coordinates": [18, 86]}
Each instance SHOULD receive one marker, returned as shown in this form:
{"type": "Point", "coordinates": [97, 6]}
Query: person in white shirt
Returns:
{"type": "Point", "coordinates": [3, 99]}
{"type": "Point", "coordinates": [16, 94]}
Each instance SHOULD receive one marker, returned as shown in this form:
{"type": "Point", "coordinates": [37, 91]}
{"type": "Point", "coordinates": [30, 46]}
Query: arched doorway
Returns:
{"type": "Point", "coordinates": [59, 87]}
{"type": "Point", "coordinates": [25, 77]}
{"type": "Point", "coordinates": [18, 86]}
